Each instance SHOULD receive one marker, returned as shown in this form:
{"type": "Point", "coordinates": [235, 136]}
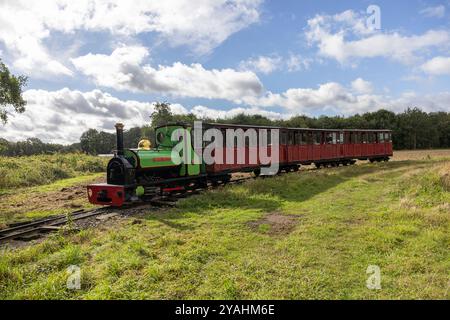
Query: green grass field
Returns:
{"type": "Point", "coordinates": [306, 235]}
{"type": "Point", "coordinates": [16, 172]}
{"type": "Point", "coordinates": [39, 186]}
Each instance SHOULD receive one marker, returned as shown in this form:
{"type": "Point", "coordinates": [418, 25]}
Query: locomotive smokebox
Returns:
{"type": "Point", "coordinates": [119, 136]}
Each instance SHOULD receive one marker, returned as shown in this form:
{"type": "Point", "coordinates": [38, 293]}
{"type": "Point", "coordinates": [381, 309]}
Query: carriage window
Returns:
{"type": "Point", "coordinates": [317, 137]}
{"type": "Point", "coordinates": [381, 137]}
{"type": "Point", "coordinates": [291, 138]}
{"type": "Point", "coordinates": [341, 138]}
{"type": "Point", "coordinates": [309, 137]}
{"type": "Point", "coordinates": [388, 137]}
{"type": "Point", "coordinates": [348, 138]}
{"type": "Point", "coordinates": [283, 137]}
{"type": "Point", "coordinates": [363, 137]}
{"type": "Point", "coordinates": [329, 138]}
{"type": "Point", "coordinates": [303, 138]}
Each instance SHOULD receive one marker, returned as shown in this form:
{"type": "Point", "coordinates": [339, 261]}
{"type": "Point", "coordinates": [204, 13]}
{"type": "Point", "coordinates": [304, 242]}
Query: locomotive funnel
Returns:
{"type": "Point", "coordinates": [119, 136]}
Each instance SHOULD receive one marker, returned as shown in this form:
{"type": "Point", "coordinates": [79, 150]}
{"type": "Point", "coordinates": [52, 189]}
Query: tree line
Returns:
{"type": "Point", "coordinates": [412, 129]}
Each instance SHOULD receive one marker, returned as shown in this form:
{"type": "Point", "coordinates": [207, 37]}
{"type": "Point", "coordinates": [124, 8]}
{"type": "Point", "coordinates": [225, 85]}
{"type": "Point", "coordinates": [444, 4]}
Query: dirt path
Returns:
{"type": "Point", "coordinates": [36, 202]}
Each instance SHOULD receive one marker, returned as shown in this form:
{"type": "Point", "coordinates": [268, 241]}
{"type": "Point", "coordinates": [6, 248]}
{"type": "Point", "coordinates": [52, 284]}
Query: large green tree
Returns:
{"type": "Point", "coordinates": [11, 89]}
{"type": "Point", "coordinates": [163, 115]}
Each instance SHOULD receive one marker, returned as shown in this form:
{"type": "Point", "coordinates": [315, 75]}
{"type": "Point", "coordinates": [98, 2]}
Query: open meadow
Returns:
{"type": "Point", "coordinates": [306, 235]}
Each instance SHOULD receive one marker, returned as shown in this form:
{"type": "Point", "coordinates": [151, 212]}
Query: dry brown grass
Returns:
{"type": "Point", "coordinates": [420, 154]}
{"type": "Point", "coordinates": [445, 177]}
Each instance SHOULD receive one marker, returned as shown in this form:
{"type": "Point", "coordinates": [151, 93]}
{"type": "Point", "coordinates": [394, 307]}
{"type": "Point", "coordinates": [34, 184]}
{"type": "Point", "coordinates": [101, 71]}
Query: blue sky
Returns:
{"type": "Point", "coordinates": [94, 62]}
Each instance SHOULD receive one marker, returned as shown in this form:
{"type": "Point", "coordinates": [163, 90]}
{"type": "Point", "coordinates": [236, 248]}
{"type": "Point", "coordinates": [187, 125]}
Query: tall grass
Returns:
{"type": "Point", "coordinates": [43, 169]}
{"type": "Point", "coordinates": [445, 177]}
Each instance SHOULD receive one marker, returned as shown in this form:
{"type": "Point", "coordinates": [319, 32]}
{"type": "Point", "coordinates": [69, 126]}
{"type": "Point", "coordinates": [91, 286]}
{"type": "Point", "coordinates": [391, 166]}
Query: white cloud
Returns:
{"type": "Point", "coordinates": [328, 97]}
{"type": "Point", "coordinates": [269, 64]}
{"type": "Point", "coordinates": [124, 70]}
{"type": "Point", "coordinates": [434, 12]}
{"type": "Point", "coordinates": [437, 66]}
{"type": "Point", "coordinates": [362, 86]}
{"type": "Point", "coordinates": [297, 63]}
{"type": "Point", "coordinates": [335, 98]}
{"type": "Point", "coordinates": [205, 112]}
{"type": "Point", "coordinates": [199, 24]}
{"type": "Point", "coordinates": [62, 116]}
{"type": "Point", "coordinates": [262, 64]}
{"type": "Point", "coordinates": [344, 37]}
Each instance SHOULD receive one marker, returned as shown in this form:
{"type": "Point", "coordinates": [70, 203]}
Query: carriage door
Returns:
{"type": "Point", "coordinates": [341, 145]}
{"type": "Point", "coordinates": [284, 147]}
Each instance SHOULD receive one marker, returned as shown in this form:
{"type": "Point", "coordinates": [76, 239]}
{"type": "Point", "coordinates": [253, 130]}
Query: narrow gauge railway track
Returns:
{"type": "Point", "coordinates": [41, 226]}
{"type": "Point", "coordinates": [30, 230]}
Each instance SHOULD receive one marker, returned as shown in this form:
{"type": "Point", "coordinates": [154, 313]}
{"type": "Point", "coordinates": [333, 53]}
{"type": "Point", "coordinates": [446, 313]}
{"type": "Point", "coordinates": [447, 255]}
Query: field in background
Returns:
{"type": "Point", "coordinates": [421, 154]}
{"type": "Point", "coordinates": [304, 235]}
{"type": "Point", "coordinates": [38, 186]}
{"type": "Point", "coordinates": [44, 169]}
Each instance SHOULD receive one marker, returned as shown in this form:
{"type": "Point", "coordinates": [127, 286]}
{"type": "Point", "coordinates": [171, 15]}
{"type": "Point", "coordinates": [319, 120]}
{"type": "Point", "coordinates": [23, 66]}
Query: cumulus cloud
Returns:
{"type": "Point", "coordinates": [333, 97]}
{"type": "Point", "coordinates": [345, 36]}
{"type": "Point", "coordinates": [269, 64]}
{"type": "Point", "coordinates": [362, 86]}
{"type": "Point", "coordinates": [328, 97]}
{"type": "Point", "coordinates": [199, 24]}
{"type": "Point", "coordinates": [262, 64]}
{"type": "Point", "coordinates": [434, 12]}
{"type": "Point", "coordinates": [209, 113]}
{"type": "Point", "coordinates": [124, 69]}
{"type": "Point", "coordinates": [297, 63]}
{"type": "Point", "coordinates": [61, 116]}
{"type": "Point", "coordinates": [437, 66]}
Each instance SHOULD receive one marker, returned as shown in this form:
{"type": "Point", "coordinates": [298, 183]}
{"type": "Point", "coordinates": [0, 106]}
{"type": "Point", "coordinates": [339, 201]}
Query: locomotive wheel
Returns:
{"type": "Point", "coordinates": [257, 172]}
{"type": "Point", "coordinates": [296, 168]}
{"type": "Point", "coordinates": [202, 184]}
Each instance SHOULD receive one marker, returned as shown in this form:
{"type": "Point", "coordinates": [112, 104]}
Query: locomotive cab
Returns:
{"type": "Point", "coordinates": [132, 172]}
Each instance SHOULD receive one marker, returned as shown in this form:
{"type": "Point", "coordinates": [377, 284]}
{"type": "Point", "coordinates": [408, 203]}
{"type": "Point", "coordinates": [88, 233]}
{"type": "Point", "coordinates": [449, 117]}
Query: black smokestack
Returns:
{"type": "Point", "coordinates": [119, 136]}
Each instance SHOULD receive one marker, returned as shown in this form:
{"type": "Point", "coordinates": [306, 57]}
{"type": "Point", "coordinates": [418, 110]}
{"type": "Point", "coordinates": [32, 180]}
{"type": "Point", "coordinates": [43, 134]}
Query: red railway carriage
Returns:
{"type": "Point", "coordinates": [138, 174]}
{"type": "Point", "coordinates": [321, 147]}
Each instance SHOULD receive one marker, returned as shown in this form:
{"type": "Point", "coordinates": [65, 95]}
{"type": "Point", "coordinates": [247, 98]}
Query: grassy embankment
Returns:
{"type": "Point", "coordinates": [31, 186]}
{"type": "Point", "coordinates": [304, 235]}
